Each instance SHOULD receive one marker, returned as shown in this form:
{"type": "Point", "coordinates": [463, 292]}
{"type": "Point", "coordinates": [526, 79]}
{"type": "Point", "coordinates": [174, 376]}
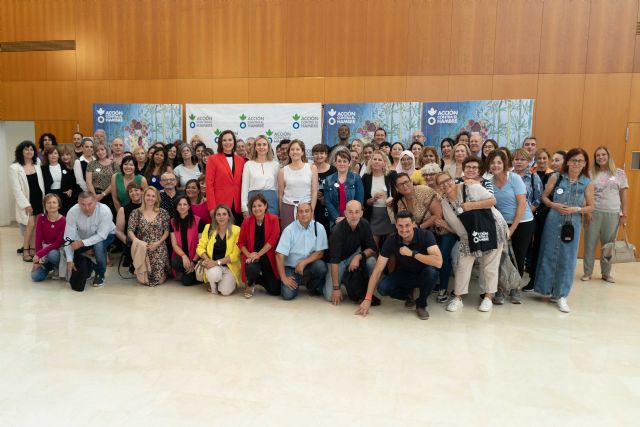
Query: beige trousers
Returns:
{"type": "Point", "coordinates": [489, 266]}
{"type": "Point", "coordinates": [221, 280]}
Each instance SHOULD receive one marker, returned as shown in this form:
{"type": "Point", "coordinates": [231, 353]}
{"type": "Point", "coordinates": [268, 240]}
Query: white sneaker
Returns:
{"type": "Point", "coordinates": [485, 305]}
{"type": "Point", "coordinates": [455, 304]}
{"type": "Point", "coordinates": [563, 306]}
{"type": "Point", "coordinates": [553, 299]}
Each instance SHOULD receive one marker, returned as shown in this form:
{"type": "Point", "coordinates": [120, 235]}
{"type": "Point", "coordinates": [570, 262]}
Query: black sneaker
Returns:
{"type": "Point", "coordinates": [528, 288]}
{"type": "Point", "coordinates": [98, 281]}
{"type": "Point", "coordinates": [375, 301]}
{"type": "Point", "coordinates": [442, 296]}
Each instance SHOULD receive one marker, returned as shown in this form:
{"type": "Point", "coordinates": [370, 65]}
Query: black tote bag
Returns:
{"type": "Point", "coordinates": [481, 227]}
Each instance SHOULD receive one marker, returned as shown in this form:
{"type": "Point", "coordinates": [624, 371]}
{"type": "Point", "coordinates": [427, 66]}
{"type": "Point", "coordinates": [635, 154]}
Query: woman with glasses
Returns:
{"type": "Point", "coordinates": [341, 187]}
{"type": "Point", "coordinates": [573, 195]}
{"type": "Point", "coordinates": [49, 237]}
{"type": "Point", "coordinates": [453, 205]}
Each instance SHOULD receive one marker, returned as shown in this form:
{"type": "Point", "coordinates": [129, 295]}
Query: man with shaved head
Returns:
{"type": "Point", "coordinates": [351, 244]}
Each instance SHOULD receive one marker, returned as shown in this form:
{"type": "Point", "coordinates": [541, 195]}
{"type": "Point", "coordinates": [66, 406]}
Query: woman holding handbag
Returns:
{"type": "Point", "coordinates": [572, 196]}
{"type": "Point", "coordinates": [469, 199]}
{"type": "Point", "coordinates": [610, 187]}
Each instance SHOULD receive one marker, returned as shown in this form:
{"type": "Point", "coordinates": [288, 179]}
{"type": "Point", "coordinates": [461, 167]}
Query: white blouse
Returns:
{"type": "Point", "coordinates": [258, 176]}
{"type": "Point", "coordinates": [56, 175]}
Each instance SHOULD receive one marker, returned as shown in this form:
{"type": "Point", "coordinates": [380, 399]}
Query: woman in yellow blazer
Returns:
{"type": "Point", "coordinates": [218, 247]}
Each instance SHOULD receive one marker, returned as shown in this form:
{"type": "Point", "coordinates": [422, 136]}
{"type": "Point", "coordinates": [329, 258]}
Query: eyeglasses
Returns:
{"type": "Point", "coordinates": [168, 179]}
{"type": "Point", "coordinates": [403, 183]}
{"type": "Point", "coordinates": [576, 161]}
{"type": "Point", "coordinates": [472, 167]}
{"type": "Point", "coordinates": [445, 182]}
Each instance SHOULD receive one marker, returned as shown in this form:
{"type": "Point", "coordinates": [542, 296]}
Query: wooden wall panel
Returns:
{"type": "Point", "coordinates": [267, 23]}
{"type": "Point", "coordinates": [429, 37]}
{"type": "Point", "coordinates": [473, 31]}
{"type": "Point", "coordinates": [515, 86]}
{"type": "Point", "coordinates": [304, 89]}
{"type": "Point", "coordinates": [7, 20]}
{"type": "Point", "coordinates": [143, 91]}
{"type": "Point", "coordinates": [387, 24]}
{"type": "Point", "coordinates": [385, 88]}
{"type": "Point", "coordinates": [58, 19]}
{"type": "Point", "coordinates": [427, 88]}
{"type": "Point", "coordinates": [564, 46]}
{"type": "Point", "coordinates": [559, 110]}
{"type": "Point", "coordinates": [62, 129]}
{"type": "Point", "coordinates": [230, 30]}
{"type": "Point", "coordinates": [194, 91]}
{"type": "Point", "coordinates": [305, 44]}
{"type": "Point", "coordinates": [467, 88]}
{"type": "Point", "coordinates": [343, 89]}
{"type": "Point", "coordinates": [636, 65]}
{"type": "Point", "coordinates": [605, 113]}
{"type": "Point", "coordinates": [143, 49]}
{"type": "Point", "coordinates": [55, 100]}
{"type": "Point", "coordinates": [91, 92]}
{"type": "Point", "coordinates": [231, 91]}
{"type": "Point", "coordinates": [518, 27]}
{"type": "Point", "coordinates": [612, 25]}
{"type": "Point", "coordinates": [634, 99]}
{"type": "Point", "coordinates": [60, 65]}
{"type": "Point", "coordinates": [94, 23]}
{"type": "Point", "coordinates": [267, 90]}
{"type": "Point", "coordinates": [346, 50]}
{"type": "Point", "coordinates": [194, 43]}
{"type": "Point", "coordinates": [22, 66]}
{"type": "Point", "coordinates": [17, 100]}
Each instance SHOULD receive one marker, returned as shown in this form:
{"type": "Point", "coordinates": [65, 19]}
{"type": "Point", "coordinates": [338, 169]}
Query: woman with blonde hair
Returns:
{"type": "Point", "coordinates": [610, 211]}
{"type": "Point", "coordinates": [379, 188]}
{"type": "Point", "coordinates": [140, 156]}
{"type": "Point", "coordinates": [150, 224]}
{"type": "Point", "coordinates": [260, 175]}
{"type": "Point", "coordinates": [460, 152]}
{"type": "Point", "coordinates": [218, 248]}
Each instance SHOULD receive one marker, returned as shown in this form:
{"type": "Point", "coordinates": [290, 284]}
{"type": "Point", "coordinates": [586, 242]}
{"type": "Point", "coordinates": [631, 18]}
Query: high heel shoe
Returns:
{"type": "Point", "coordinates": [26, 255]}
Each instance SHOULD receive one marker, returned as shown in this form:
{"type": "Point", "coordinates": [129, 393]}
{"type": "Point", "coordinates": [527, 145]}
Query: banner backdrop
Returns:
{"type": "Point", "coordinates": [276, 121]}
{"type": "Point", "coordinates": [139, 124]}
{"type": "Point", "coordinates": [399, 119]}
{"type": "Point", "coordinates": [507, 121]}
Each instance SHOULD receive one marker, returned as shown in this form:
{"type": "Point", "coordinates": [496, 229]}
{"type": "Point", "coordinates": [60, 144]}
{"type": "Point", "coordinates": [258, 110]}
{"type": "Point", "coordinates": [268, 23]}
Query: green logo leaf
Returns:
{"type": "Point", "coordinates": [192, 116]}
{"type": "Point", "coordinates": [243, 117]}
{"type": "Point", "coordinates": [296, 117]}
{"type": "Point", "coordinates": [217, 132]}
{"type": "Point", "coordinates": [269, 132]}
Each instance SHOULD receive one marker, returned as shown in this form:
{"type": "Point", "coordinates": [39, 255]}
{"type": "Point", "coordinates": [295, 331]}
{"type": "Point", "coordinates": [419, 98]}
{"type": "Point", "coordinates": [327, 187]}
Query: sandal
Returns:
{"type": "Point", "coordinates": [26, 255]}
{"type": "Point", "coordinates": [248, 291]}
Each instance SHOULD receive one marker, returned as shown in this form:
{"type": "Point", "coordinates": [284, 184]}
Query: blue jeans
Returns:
{"type": "Point", "coordinates": [100, 253]}
{"type": "Point", "coordinates": [399, 283]}
{"type": "Point", "coordinates": [445, 243]}
{"type": "Point", "coordinates": [316, 272]}
{"type": "Point", "coordinates": [52, 262]}
{"type": "Point", "coordinates": [342, 266]}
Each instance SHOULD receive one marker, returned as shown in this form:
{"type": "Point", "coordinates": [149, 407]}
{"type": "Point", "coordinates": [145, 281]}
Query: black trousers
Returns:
{"type": "Point", "coordinates": [520, 241]}
{"type": "Point", "coordinates": [260, 273]}
{"type": "Point", "coordinates": [188, 279]}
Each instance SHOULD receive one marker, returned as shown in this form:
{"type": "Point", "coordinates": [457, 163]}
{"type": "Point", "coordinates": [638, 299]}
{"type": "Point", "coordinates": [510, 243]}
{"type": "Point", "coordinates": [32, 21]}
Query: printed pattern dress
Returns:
{"type": "Point", "coordinates": [152, 232]}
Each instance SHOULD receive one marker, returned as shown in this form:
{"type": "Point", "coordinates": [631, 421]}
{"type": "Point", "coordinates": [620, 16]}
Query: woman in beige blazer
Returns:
{"type": "Point", "coordinates": [27, 185]}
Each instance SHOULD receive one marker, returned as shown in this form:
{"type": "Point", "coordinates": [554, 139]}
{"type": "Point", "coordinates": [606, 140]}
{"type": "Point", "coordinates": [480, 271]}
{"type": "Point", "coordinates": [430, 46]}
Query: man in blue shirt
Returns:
{"type": "Point", "coordinates": [417, 262]}
{"type": "Point", "coordinates": [299, 254]}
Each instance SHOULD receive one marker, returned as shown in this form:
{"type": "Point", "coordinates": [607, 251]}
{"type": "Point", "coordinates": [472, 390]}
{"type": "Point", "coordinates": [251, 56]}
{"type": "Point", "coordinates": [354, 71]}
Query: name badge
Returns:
{"type": "Point", "coordinates": [559, 191]}
{"type": "Point", "coordinates": [98, 169]}
{"type": "Point", "coordinates": [460, 211]}
{"type": "Point", "coordinates": [336, 185]}
{"type": "Point", "coordinates": [64, 171]}
{"type": "Point", "coordinates": [153, 179]}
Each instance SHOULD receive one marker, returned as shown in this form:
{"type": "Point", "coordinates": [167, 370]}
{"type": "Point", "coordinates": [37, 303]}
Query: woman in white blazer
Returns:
{"type": "Point", "coordinates": [27, 184]}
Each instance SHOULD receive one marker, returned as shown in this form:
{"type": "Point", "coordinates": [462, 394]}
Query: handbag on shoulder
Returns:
{"type": "Point", "coordinates": [619, 251]}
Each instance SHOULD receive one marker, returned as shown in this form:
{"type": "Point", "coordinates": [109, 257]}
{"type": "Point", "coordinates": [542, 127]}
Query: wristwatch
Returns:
{"type": "Point", "coordinates": [414, 253]}
{"type": "Point", "coordinates": [219, 264]}
{"type": "Point", "coordinates": [336, 287]}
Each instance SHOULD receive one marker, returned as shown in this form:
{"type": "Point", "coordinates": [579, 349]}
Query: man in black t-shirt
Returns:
{"type": "Point", "coordinates": [417, 262]}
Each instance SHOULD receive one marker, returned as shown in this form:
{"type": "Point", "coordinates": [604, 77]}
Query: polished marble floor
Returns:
{"type": "Point", "coordinates": [128, 355]}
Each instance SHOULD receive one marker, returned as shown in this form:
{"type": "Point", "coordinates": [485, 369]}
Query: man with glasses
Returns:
{"type": "Point", "coordinates": [418, 136]}
{"type": "Point", "coordinates": [530, 145]}
{"type": "Point", "coordinates": [169, 194]}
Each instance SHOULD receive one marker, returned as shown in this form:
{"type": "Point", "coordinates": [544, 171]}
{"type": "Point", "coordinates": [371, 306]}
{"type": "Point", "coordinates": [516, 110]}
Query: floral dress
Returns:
{"type": "Point", "coordinates": [152, 232]}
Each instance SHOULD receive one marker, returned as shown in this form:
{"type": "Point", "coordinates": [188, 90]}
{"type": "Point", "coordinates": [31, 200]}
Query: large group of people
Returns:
{"type": "Point", "coordinates": [361, 219]}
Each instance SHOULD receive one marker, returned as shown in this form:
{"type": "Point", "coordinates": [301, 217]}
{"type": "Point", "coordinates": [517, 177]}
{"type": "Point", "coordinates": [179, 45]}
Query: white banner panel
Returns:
{"type": "Point", "coordinates": [276, 121]}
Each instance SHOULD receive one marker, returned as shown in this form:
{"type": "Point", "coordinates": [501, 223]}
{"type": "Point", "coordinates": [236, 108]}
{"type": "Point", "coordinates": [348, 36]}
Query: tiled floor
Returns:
{"type": "Point", "coordinates": [174, 356]}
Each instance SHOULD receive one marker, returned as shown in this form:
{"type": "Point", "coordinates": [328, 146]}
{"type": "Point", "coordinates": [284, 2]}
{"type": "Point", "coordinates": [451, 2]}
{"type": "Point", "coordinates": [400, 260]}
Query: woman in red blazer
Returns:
{"type": "Point", "coordinates": [224, 176]}
{"type": "Point", "coordinates": [258, 239]}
